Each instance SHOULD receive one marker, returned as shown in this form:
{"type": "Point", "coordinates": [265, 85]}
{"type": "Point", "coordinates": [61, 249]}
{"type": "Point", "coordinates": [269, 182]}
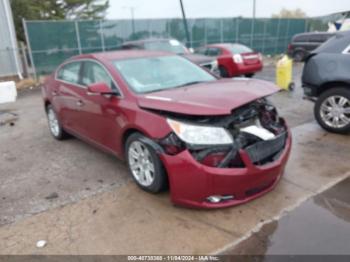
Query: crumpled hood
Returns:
{"type": "Point", "coordinates": [211, 98]}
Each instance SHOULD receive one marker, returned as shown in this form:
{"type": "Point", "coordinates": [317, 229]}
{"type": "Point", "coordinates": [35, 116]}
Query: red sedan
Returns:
{"type": "Point", "coordinates": [215, 143]}
{"type": "Point", "coordinates": [234, 59]}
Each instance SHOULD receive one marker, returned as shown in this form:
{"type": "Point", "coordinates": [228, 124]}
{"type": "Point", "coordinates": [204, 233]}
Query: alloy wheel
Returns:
{"type": "Point", "coordinates": [335, 111]}
{"type": "Point", "coordinates": [53, 122]}
{"type": "Point", "coordinates": [141, 163]}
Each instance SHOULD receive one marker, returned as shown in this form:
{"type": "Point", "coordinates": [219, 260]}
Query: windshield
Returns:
{"type": "Point", "coordinates": [172, 46]}
{"type": "Point", "coordinates": [240, 49]}
{"type": "Point", "coordinates": [146, 75]}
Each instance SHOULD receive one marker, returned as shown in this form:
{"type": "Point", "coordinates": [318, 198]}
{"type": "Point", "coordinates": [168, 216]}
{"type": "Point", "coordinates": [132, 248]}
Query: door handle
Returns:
{"type": "Point", "coordinates": [80, 103]}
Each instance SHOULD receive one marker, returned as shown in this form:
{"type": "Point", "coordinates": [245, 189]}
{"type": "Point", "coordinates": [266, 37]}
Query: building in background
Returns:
{"type": "Point", "coordinates": [10, 64]}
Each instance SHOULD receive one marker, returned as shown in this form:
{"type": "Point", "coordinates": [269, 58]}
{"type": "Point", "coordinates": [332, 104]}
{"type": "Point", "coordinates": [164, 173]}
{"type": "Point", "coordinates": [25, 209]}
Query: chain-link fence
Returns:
{"type": "Point", "coordinates": [51, 42]}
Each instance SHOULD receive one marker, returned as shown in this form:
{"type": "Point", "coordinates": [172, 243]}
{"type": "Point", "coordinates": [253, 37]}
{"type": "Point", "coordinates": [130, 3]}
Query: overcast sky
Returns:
{"type": "Point", "coordinates": [220, 8]}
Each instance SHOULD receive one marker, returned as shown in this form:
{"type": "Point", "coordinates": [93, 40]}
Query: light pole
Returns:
{"type": "Point", "coordinates": [132, 12]}
{"type": "Point", "coordinates": [253, 24]}
{"type": "Point", "coordinates": [185, 24]}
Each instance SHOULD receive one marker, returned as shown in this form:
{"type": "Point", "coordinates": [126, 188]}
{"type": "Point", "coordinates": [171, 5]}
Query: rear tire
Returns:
{"type": "Point", "coordinates": [55, 126]}
{"type": "Point", "coordinates": [249, 75]}
{"type": "Point", "coordinates": [299, 56]}
{"type": "Point", "coordinates": [332, 110]}
{"type": "Point", "coordinates": [223, 72]}
{"type": "Point", "coordinates": [144, 165]}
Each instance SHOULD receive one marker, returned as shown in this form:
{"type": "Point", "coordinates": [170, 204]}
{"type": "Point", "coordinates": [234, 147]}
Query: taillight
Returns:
{"type": "Point", "coordinates": [289, 47]}
{"type": "Point", "coordinates": [237, 58]}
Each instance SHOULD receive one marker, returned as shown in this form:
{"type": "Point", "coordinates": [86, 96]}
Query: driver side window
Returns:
{"type": "Point", "coordinates": [95, 73]}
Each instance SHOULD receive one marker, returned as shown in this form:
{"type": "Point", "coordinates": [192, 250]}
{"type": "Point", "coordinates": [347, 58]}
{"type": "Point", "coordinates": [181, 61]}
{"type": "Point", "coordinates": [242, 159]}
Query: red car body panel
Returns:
{"type": "Point", "coordinates": [251, 61]}
{"type": "Point", "coordinates": [194, 182]}
{"type": "Point", "coordinates": [105, 121]}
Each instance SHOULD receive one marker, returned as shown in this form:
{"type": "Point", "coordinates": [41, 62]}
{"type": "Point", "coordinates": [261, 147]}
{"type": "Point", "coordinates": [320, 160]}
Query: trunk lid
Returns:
{"type": "Point", "coordinates": [250, 58]}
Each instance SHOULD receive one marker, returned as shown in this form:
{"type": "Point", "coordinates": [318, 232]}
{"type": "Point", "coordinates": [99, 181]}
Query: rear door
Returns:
{"type": "Point", "coordinates": [67, 94]}
{"type": "Point", "coordinates": [100, 115]}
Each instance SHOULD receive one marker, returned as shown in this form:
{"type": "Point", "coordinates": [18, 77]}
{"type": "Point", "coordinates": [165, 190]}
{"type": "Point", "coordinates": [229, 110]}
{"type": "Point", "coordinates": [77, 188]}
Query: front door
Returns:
{"type": "Point", "coordinates": [100, 114]}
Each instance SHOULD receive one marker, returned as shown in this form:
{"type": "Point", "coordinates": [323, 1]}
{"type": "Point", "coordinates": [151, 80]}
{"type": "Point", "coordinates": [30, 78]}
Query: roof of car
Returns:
{"type": "Point", "coordinates": [122, 55]}
{"type": "Point", "coordinates": [147, 40]}
{"type": "Point", "coordinates": [314, 33]}
{"type": "Point", "coordinates": [224, 45]}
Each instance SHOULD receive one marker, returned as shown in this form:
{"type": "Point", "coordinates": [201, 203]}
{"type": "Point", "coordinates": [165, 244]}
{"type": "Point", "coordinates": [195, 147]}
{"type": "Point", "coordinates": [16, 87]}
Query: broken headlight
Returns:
{"type": "Point", "coordinates": [200, 135]}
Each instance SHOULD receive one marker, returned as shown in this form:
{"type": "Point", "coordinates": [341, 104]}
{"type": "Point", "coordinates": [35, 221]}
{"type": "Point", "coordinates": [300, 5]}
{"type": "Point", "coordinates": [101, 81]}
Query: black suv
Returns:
{"type": "Point", "coordinates": [326, 81]}
{"type": "Point", "coordinates": [173, 46]}
{"type": "Point", "coordinates": [302, 44]}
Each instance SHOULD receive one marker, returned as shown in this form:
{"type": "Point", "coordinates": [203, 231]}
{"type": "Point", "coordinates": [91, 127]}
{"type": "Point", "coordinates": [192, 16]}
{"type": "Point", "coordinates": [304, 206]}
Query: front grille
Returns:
{"type": "Point", "coordinates": [263, 152]}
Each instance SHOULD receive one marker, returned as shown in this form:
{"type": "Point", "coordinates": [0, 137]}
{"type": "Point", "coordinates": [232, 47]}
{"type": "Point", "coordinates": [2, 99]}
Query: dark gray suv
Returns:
{"type": "Point", "coordinates": [173, 46]}
{"type": "Point", "coordinates": [326, 80]}
{"type": "Point", "coordinates": [302, 44]}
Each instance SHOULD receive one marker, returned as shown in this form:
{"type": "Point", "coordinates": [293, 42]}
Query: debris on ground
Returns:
{"type": "Point", "coordinates": [29, 83]}
{"type": "Point", "coordinates": [41, 244]}
{"type": "Point", "coordinates": [7, 117]}
{"type": "Point", "coordinates": [51, 196]}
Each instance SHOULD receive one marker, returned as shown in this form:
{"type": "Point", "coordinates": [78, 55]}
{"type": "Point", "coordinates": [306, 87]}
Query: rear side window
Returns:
{"type": "Point", "coordinates": [316, 39]}
{"type": "Point", "coordinates": [240, 49]}
{"type": "Point", "coordinates": [301, 38]}
{"type": "Point", "coordinates": [172, 46]}
{"type": "Point", "coordinates": [201, 51]}
{"type": "Point", "coordinates": [213, 51]}
{"type": "Point", "coordinates": [95, 73]}
{"type": "Point", "coordinates": [70, 72]}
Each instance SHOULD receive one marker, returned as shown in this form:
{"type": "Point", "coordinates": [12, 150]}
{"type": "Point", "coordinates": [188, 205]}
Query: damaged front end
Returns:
{"type": "Point", "coordinates": [254, 128]}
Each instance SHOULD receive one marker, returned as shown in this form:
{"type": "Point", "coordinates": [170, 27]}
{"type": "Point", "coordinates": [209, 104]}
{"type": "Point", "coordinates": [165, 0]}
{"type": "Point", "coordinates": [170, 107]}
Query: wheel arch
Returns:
{"type": "Point", "coordinates": [46, 103]}
{"type": "Point", "coordinates": [326, 86]}
{"type": "Point", "coordinates": [127, 133]}
{"type": "Point", "coordinates": [226, 68]}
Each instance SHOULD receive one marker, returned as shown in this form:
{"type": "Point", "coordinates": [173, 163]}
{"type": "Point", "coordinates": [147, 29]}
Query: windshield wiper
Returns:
{"type": "Point", "coordinates": [191, 83]}
{"type": "Point", "coordinates": [183, 85]}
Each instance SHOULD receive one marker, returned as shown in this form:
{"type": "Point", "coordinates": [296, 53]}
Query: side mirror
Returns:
{"type": "Point", "coordinates": [99, 89]}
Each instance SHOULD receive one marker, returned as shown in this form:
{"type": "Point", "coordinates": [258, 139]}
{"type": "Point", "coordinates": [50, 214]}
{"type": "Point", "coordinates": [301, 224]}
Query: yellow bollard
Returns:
{"type": "Point", "coordinates": [284, 71]}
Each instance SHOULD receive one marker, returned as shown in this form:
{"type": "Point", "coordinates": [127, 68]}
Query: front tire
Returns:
{"type": "Point", "coordinates": [332, 110]}
{"type": "Point", "coordinates": [145, 165]}
{"type": "Point", "coordinates": [249, 75]}
{"type": "Point", "coordinates": [55, 126]}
